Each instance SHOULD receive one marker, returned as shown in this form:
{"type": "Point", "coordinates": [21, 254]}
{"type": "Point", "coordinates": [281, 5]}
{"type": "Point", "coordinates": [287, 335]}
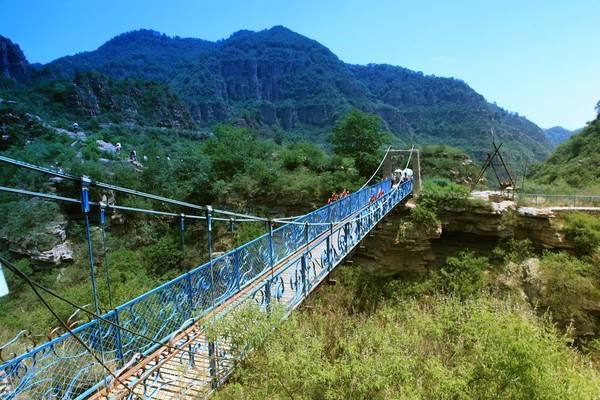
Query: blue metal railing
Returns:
{"type": "Point", "coordinates": [61, 369]}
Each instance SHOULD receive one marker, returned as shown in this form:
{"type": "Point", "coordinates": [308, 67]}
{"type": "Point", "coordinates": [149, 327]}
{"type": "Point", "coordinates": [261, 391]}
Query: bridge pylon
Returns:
{"type": "Point", "coordinates": [397, 158]}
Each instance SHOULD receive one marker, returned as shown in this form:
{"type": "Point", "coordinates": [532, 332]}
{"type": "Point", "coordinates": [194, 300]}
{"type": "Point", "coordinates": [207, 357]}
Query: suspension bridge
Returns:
{"type": "Point", "coordinates": [159, 345]}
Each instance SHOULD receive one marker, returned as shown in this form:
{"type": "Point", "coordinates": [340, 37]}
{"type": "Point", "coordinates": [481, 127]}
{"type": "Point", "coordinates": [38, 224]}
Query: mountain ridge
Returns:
{"type": "Point", "coordinates": [280, 79]}
{"type": "Point", "coordinates": [558, 134]}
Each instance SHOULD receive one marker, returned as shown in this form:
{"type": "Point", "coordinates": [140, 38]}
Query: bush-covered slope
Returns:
{"type": "Point", "coordinates": [364, 339]}
{"type": "Point", "coordinates": [429, 109]}
{"type": "Point", "coordinates": [142, 54]}
{"type": "Point", "coordinates": [575, 163]}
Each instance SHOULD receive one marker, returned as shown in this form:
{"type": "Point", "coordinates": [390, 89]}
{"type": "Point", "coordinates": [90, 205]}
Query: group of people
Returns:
{"type": "Point", "coordinates": [401, 175]}
{"type": "Point", "coordinates": [338, 196]}
{"type": "Point", "coordinates": [376, 196]}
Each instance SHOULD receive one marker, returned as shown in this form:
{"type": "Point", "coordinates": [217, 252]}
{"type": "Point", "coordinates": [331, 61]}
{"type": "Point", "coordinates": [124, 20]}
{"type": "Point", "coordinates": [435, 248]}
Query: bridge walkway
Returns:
{"type": "Point", "coordinates": [175, 375]}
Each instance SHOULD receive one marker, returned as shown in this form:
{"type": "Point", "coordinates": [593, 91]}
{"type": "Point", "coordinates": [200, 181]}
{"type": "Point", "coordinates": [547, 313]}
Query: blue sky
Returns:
{"type": "Point", "coordinates": [538, 58]}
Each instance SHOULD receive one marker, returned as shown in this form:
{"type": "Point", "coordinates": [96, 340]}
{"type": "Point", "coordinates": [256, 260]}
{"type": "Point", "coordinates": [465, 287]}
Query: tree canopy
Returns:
{"type": "Point", "coordinates": [359, 135]}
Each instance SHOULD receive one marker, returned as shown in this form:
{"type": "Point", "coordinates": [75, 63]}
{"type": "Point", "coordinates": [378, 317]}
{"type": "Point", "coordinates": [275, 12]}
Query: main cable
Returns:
{"type": "Point", "coordinates": [19, 273]}
{"type": "Point", "coordinates": [62, 174]}
{"type": "Point", "coordinates": [377, 170]}
{"type": "Point", "coordinates": [12, 268]}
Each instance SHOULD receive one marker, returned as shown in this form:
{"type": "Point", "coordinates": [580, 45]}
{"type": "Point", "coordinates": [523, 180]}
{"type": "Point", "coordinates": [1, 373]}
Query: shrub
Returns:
{"type": "Point", "coordinates": [513, 250]}
{"type": "Point", "coordinates": [443, 348]}
{"type": "Point", "coordinates": [462, 275]}
{"type": "Point", "coordinates": [566, 288]}
{"type": "Point", "coordinates": [439, 193]}
{"type": "Point", "coordinates": [584, 231]}
{"type": "Point", "coordinates": [164, 256]}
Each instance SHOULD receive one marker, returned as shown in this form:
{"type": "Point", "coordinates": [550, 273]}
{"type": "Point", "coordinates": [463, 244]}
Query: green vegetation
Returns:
{"type": "Point", "coordinates": [462, 275]}
{"type": "Point", "coordinates": [359, 135]}
{"type": "Point", "coordinates": [442, 161]}
{"type": "Point", "coordinates": [439, 193]}
{"type": "Point", "coordinates": [574, 165]}
{"type": "Point", "coordinates": [231, 169]}
{"type": "Point", "coordinates": [569, 289]}
{"type": "Point", "coordinates": [412, 345]}
{"type": "Point", "coordinates": [298, 87]}
{"type": "Point", "coordinates": [584, 231]}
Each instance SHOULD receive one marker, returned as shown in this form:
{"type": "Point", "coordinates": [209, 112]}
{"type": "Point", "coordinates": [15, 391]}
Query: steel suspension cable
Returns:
{"type": "Point", "coordinates": [62, 174]}
{"type": "Point", "coordinates": [377, 170]}
{"type": "Point", "coordinates": [19, 273]}
{"type": "Point", "coordinates": [64, 324]}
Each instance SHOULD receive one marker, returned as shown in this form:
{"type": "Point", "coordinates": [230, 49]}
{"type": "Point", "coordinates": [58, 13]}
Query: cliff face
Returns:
{"type": "Point", "coordinates": [13, 64]}
{"type": "Point", "coordinates": [137, 101]}
{"type": "Point", "coordinates": [399, 247]}
{"type": "Point", "coordinates": [285, 78]}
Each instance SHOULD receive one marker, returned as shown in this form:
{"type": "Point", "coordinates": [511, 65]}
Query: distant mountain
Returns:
{"type": "Point", "coordinates": [557, 134]}
{"type": "Point", "coordinates": [278, 79]}
{"type": "Point", "coordinates": [13, 64]}
{"type": "Point", "coordinates": [575, 162]}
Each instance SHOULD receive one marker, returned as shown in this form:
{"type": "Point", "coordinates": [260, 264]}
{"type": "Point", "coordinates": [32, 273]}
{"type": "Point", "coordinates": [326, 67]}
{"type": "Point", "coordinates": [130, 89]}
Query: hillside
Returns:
{"type": "Point", "coordinates": [558, 134]}
{"type": "Point", "coordinates": [574, 163]}
{"type": "Point", "coordinates": [93, 98]}
{"type": "Point", "coordinates": [277, 79]}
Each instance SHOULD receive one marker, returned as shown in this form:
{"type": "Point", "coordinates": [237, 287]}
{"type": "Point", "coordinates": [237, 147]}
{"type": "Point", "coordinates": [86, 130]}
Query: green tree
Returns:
{"type": "Point", "coordinates": [359, 135]}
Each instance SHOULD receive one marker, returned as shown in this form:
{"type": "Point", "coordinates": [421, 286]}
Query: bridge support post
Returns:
{"type": "Point", "coordinates": [359, 228]}
{"type": "Point", "coordinates": [188, 277]}
{"type": "Point", "coordinates": [330, 246]}
{"type": "Point", "coordinates": [268, 295]}
{"type": "Point", "coordinates": [346, 233]}
{"type": "Point", "coordinates": [85, 208]}
{"type": "Point", "coordinates": [212, 365]}
{"type": "Point", "coordinates": [270, 281]}
{"type": "Point", "coordinates": [303, 273]}
{"type": "Point", "coordinates": [236, 269]}
{"type": "Point", "coordinates": [120, 354]}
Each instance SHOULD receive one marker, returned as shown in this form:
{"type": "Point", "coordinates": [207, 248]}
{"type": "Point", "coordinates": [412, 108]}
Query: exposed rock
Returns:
{"type": "Point", "coordinates": [13, 63]}
{"type": "Point", "coordinates": [106, 146]}
{"type": "Point", "coordinates": [388, 251]}
{"type": "Point", "coordinates": [399, 246]}
{"type": "Point", "coordinates": [71, 134]}
{"type": "Point", "coordinates": [59, 253]}
{"type": "Point", "coordinates": [512, 278]}
{"type": "Point", "coordinates": [48, 245]}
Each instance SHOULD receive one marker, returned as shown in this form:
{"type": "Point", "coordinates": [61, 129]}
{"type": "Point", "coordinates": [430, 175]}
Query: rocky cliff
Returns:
{"type": "Point", "coordinates": [13, 64]}
{"type": "Point", "coordinates": [398, 246]}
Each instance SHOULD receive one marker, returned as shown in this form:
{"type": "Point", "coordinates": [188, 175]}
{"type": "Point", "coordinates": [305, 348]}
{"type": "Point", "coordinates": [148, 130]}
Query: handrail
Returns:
{"type": "Point", "coordinates": [166, 309]}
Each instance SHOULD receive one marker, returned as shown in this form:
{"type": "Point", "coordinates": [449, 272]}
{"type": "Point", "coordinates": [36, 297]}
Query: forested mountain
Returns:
{"type": "Point", "coordinates": [144, 54]}
{"type": "Point", "coordinates": [576, 162]}
{"type": "Point", "coordinates": [277, 79]}
{"type": "Point", "coordinates": [558, 134]}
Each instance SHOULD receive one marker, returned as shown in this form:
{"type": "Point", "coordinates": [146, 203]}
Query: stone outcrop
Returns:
{"type": "Point", "coordinates": [47, 245]}
{"type": "Point", "coordinates": [387, 251]}
{"type": "Point", "coordinates": [399, 246]}
{"type": "Point", "coordinates": [13, 64]}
